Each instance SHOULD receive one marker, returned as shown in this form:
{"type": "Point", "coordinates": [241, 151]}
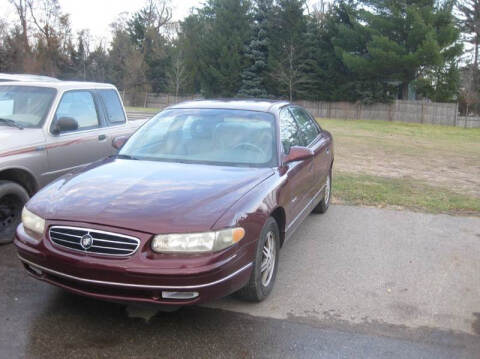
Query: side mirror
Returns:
{"type": "Point", "coordinates": [119, 141]}
{"type": "Point", "coordinates": [298, 153]}
{"type": "Point", "coordinates": [64, 124]}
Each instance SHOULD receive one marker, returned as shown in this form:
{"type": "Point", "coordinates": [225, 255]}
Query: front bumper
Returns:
{"type": "Point", "coordinates": [137, 278]}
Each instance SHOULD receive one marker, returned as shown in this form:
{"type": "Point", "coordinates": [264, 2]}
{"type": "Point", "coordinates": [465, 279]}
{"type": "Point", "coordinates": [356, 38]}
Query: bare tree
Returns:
{"type": "Point", "coordinates": [159, 13]}
{"type": "Point", "coordinates": [177, 77]}
{"type": "Point", "coordinates": [54, 33]}
{"type": "Point", "coordinates": [21, 8]}
{"type": "Point", "coordinates": [468, 94]}
{"type": "Point", "coordinates": [288, 72]}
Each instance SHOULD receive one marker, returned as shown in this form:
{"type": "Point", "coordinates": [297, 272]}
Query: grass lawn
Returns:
{"type": "Point", "coordinates": [401, 193]}
{"type": "Point", "coordinates": [420, 167]}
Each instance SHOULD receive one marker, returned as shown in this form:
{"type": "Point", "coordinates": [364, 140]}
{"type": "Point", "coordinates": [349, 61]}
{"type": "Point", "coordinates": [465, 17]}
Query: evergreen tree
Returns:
{"type": "Point", "coordinates": [289, 29]}
{"type": "Point", "coordinates": [401, 38]}
{"type": "Point", "coordinates": [257, 52]}
{"type": "Point", "coordinates": [221, 56]}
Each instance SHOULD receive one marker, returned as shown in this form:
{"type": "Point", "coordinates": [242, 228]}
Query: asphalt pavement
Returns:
{"type": "Point", "coordinates": [353, 283]}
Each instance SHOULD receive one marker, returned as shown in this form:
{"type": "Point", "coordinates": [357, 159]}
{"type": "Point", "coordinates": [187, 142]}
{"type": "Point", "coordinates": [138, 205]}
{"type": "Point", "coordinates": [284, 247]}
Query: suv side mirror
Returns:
{"type": "Point", "coordinates": [119, 141]}
{"type": "Point", "coordinates": [64, 124]}
{"type": "Point", "coordinates": [298, 153]}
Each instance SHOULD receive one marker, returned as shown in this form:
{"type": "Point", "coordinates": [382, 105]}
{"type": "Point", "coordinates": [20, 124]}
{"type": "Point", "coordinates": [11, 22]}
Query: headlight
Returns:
{"type": "Point", "coordinates": [197, 242]}
{"type": "Point", "coordinates": [32, 223]}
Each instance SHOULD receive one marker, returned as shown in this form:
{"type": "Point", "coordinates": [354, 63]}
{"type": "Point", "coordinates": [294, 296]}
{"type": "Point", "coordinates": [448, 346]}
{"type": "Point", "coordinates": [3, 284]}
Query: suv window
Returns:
{"type": "Point", "coordinates": [308, 128]}
{"type": "Point", "coordinates": [288, 131]}
{"type": "Point", "coordinates": [80, 106]}
{"type": "Point", "coordinates": [113, 106]}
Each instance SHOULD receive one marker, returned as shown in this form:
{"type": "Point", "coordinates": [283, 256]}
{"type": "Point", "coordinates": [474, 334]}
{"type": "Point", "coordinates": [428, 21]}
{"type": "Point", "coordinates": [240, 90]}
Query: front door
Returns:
{"type": "Point", "coordinates": [315, 140]}
{"type": "Point", "coordinates": [74, 149]}
{"type": "Point", "coordinates": [299, 174]}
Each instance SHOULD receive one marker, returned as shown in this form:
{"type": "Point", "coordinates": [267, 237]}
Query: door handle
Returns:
{"type": "Point", "coordinates": [102, 137]}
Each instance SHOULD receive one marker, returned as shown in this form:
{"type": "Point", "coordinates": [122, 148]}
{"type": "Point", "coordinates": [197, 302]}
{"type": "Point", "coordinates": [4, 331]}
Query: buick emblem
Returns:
{"type": "Point", "coordinates": [86, 241]}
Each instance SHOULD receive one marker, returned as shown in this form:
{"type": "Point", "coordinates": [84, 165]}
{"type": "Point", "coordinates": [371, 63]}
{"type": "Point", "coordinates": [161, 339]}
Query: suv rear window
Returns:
{"type": "Point", "coordinates": [113, 106]}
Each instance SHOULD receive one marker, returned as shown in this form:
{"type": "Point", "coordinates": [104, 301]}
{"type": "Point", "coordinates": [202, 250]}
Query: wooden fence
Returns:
{"type": "Point", "coordinates": [402, 111]}
{"type": "Point", "coordinates": [152, 100]}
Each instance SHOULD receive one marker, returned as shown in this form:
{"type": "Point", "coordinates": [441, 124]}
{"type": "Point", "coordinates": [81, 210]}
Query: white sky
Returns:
{"type": "Point", "coordinates": [97, 15]}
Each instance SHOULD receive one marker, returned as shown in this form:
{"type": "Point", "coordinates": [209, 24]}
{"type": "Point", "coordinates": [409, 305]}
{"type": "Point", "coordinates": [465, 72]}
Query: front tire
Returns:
{"type": "Point", "coordinates": [322, 207]}
{"type": "Point", "coordinates": [12, 199]}
{"type": "Point", "coordinates": [265, 265]}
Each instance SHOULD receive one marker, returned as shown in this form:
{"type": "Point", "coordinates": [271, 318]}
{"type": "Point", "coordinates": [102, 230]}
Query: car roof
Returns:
{"type": "Point", "coordinates": [26, 77]}
{"type": "Point", "coordinates": [62, 85]}
{"type": "Point", "coordinates": [261, 105]}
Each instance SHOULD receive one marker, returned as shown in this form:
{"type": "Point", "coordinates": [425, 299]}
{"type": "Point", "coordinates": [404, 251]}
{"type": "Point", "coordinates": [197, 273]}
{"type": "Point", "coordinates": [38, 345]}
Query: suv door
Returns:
{"type": "Point", "coordinates": [114, 115]}
{"type": "Point", "coordinates": [69, 150]}
{"type": "Point", "coordinates": [299, 174]}
{"type": "Point", "coordinates": [314, 139]}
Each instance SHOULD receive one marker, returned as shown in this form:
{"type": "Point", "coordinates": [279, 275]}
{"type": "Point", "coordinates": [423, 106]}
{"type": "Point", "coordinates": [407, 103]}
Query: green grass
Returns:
{"type": "Point", "coordinates": [142, 109]}
{"type": "Point", "coordinates": [422, 167]}
{"type": "Point", "coordinates": [401, 192]}
{"type": "Point", "coordinates": [394, 133]}
{"type": "Point", "coordinates": [417, 130]}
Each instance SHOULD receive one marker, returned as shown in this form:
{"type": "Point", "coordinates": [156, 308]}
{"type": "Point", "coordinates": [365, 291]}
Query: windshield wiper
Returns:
{"type": "Point", "coordinates": [11, 123]}
{"type": "Point", "coordinates": [127, 157]}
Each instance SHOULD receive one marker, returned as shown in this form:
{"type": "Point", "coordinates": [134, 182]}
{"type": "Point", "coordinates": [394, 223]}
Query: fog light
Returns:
{"type": "Point", "coordinates": [179, 295]}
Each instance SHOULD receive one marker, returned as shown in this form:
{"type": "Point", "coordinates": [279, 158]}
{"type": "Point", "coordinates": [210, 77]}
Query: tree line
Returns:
{"type": "Point", "coordinates": [345, 50]}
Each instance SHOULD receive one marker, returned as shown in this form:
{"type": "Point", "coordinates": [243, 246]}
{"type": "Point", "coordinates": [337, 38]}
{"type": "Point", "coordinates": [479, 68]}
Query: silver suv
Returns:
{"type": "Point", "coordinates": [49, 128]}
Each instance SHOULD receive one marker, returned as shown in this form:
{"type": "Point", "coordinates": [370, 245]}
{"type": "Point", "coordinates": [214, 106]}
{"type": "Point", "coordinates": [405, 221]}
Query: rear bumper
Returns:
{"type": "Point", "coordinates": [134, 279]}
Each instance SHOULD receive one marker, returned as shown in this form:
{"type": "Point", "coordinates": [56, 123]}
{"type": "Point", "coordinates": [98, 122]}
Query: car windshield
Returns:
{"type": "Point", "coordinates": [208, 136]}
{"type": "Point", "coordinates": [27, 106]}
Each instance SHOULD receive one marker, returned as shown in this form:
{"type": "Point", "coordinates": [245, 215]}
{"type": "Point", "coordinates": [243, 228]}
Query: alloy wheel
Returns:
{"type": "Point", "coordinates": [268, 259]}
{"type": "Point", "coordinates": [326, 198]}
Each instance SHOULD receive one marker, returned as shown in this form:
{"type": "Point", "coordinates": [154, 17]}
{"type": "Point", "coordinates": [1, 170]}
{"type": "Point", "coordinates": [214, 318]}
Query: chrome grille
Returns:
{"type": "Point", "coordinates": [104, 243]}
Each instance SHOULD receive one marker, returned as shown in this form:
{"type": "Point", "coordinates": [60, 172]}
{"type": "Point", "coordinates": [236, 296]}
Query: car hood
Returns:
{"type": "Point", "coordinates": [13, 139]}
{"type": "Point", "coordinates": [152, 197]}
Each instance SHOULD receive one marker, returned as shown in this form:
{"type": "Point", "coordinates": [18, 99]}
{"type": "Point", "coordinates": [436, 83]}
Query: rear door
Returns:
{"type": "Point", "coordinates": [313, 139]}
{"type": "Point", "coordinates": [299, 174]}
{"type": "Point", "coordinates": [114, 115]}
{"type": "Point", "coordinates": [69, 150]}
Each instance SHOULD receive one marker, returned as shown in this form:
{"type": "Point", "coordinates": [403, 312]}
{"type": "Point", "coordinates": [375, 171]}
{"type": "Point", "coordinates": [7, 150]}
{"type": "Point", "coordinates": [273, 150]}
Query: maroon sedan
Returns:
{"type": "Point", "coordinates": [195, 206]}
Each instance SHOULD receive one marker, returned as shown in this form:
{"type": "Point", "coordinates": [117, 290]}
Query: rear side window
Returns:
{"type": "Point", "coordinates": [113, 106]}
{"type": "Point", "coordinates": [308, 128]}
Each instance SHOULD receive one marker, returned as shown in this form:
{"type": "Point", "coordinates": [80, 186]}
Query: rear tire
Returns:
{"type": "Point", "coordinates": [322, 207]}
{"type": "Point", "coordinates": [12, 199]}
{"type": "Point", "coordinates": [265, 265]}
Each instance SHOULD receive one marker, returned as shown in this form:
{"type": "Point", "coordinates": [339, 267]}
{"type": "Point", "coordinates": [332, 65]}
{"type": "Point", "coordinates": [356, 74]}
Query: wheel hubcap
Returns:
{"type": "Point", "coordinates": [268, 259]}
{"type": "Point", "coordinates": [327, 191]}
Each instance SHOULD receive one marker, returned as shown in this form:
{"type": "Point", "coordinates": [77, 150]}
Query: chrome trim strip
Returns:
{"type": "Point", "coordinates": [141, 286]}
{"type": "Point", "coordinates": [89, 230]}
{"type": "Point", "coordinates": [105, 240]}
{"type": "Point", "coordinates": [304, 209]}
{"type": "Point", "coordinates": [65, 234]}
{"type": "Point", "coordinates": [110, 248]}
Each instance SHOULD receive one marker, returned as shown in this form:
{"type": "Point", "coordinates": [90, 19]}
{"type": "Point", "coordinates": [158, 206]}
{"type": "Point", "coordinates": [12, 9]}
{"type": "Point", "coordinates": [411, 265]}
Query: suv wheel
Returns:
{"type": "Point", "coordinates": [12, 199]}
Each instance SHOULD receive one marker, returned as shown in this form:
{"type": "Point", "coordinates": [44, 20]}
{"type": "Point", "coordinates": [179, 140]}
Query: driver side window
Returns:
{"type": "Point", "coordinates": [80, 106]}
{"type": "Point", "coordinates": [289, 133]}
